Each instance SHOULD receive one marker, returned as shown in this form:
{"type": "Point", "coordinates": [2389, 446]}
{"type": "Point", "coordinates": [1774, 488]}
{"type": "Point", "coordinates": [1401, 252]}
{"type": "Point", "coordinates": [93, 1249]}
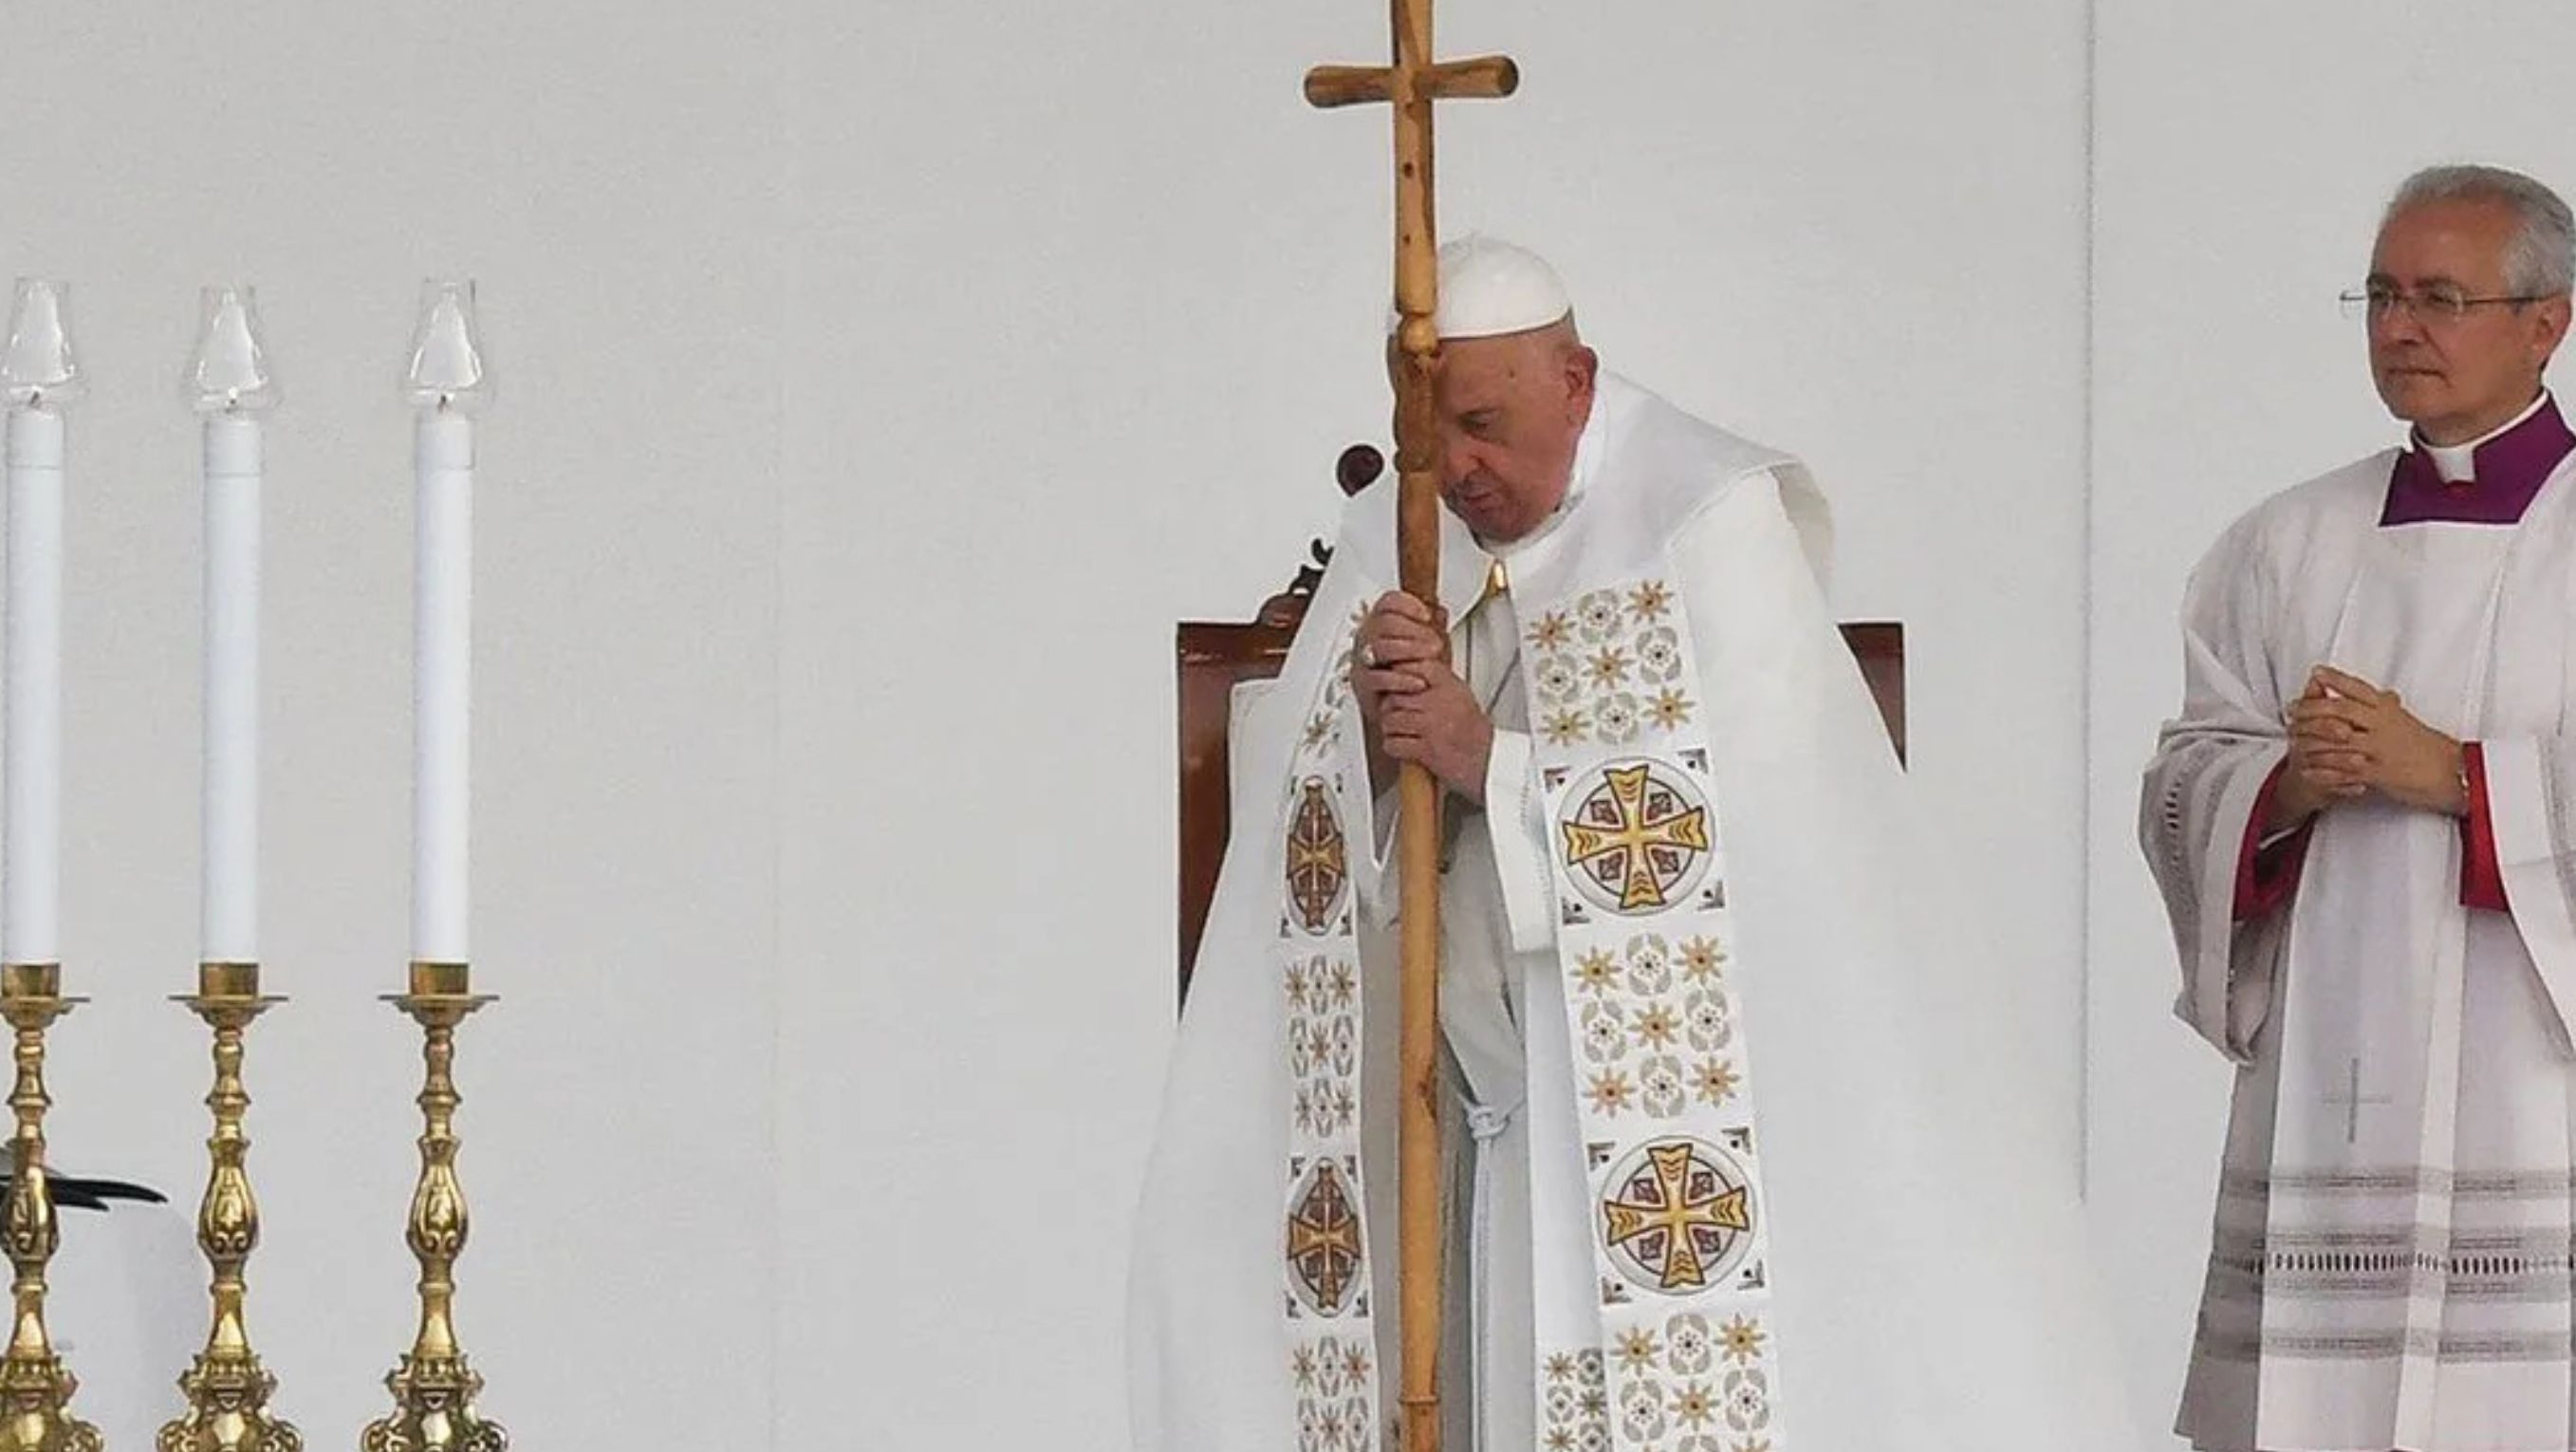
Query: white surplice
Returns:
{"type": "Point", "coordinates": [2390, 1265]}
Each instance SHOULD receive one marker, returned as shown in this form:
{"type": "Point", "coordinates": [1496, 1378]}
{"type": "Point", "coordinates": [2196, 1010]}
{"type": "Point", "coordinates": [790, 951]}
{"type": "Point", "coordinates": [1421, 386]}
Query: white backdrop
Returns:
{"type": "Point", "coordinates": [880, 383]}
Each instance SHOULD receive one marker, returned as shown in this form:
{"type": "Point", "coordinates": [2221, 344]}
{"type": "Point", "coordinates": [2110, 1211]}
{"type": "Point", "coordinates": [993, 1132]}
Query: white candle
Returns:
{"type": "Point", "coordinates": [31, 764]}
{"type": "Point", "coordinates": [231, 864]}
{"type": "Point", "coordinates": [441, 673]}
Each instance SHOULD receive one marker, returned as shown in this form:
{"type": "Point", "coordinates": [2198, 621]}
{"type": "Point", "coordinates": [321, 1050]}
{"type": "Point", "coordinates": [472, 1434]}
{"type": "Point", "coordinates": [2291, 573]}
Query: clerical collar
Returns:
{"type": "Point", "coordinates": [2457, 463]}
{"type": "Point", "coordinates": [2488, 481]}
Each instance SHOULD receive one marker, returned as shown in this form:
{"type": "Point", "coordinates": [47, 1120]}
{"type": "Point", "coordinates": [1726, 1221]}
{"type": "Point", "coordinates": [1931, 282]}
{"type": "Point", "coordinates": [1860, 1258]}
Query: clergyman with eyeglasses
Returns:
{"type": "Point", "coordinates": [2363, 823]}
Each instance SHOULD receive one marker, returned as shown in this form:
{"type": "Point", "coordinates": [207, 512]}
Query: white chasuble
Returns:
{"type": "Point", "coordinates": [2390, 1260]}
{"type": "Point", "coordinates": [1693, 873]}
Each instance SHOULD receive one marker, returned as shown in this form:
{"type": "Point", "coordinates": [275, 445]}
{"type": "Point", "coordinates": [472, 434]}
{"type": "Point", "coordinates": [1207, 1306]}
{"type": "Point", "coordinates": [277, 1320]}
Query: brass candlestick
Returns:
{"type": "Point", "coordinates": [227, 1388]}
{"type": "Point", "coordinates": [35, 1389]}
{"type": "Point", "coordinates": [433, 1386]}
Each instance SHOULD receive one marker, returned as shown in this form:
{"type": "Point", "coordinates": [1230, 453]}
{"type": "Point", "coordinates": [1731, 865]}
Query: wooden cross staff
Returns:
{"type": "Point", "coordinates": [1409, 86]}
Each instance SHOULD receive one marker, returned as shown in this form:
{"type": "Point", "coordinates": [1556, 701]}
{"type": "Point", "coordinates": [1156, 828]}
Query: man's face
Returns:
{"type": "Point", "coordinates": [1510, 410]}
{"type": "Point", "coordinates": [2456, 377]}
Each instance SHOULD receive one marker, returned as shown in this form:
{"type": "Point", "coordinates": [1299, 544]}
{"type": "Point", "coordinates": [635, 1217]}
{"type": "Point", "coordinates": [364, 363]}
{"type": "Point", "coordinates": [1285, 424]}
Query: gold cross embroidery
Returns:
{"type": "Point", "coordinates": [1678, 1204]}
{"type": "Point", "coordinates": [1623, 853]}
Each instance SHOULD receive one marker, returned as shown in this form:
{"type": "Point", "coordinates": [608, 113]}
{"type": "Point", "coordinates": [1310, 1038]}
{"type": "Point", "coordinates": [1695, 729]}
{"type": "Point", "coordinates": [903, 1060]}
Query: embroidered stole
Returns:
{"type": "Point", "coordinates": [1332, 1344]}
{"type": "Point", "coordinates": [1642, 1035]}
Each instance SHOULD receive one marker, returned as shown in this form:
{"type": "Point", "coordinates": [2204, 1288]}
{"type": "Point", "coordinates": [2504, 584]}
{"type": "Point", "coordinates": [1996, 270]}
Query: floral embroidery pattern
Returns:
{"type": "Point", "coordinates": [1574, 1403]}
{"type": "Point", "coordinates": [1664, 1017]}
{"type": "Point", "coordinates": [1607, 667]}
{"type": "Point", "coordinates": [1673, 1384]}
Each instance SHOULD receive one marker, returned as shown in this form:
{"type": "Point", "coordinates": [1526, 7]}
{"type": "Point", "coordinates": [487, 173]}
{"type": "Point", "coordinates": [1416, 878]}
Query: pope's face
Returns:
{"type": "Point", "coordinates": [1510, 410]}
{"type": "Point", "coordinates": [2456, 378]}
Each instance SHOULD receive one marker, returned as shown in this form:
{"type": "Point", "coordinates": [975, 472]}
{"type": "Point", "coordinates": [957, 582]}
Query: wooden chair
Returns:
{"type": "Point", "coordinates": [1216, 656]}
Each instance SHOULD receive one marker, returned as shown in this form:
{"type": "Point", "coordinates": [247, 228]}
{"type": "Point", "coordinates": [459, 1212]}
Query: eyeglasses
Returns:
{"type": "Point", "coordinates": [2439, 306]}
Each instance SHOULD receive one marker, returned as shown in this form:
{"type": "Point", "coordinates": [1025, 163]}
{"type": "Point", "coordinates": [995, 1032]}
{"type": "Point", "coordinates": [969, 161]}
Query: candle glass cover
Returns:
{"type": "Point", "coordinates": [37, 366]}
{"type": "Point", "coordinates": [447, 372]}
{"type": "Point", "coordinates": [229, 372]}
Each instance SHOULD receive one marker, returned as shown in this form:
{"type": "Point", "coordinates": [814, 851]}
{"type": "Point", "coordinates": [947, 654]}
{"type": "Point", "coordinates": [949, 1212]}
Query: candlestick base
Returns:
{"type": "Point", "coordinates": [227, 1387]}
{"type": "Point", "coordinates": [434, 1387]}
{"type": "Point", "coordinates": [35, 1387]}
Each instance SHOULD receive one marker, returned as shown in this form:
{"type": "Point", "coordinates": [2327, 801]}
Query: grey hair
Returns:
{"type": "Point", "coordinates": [2542, 260]}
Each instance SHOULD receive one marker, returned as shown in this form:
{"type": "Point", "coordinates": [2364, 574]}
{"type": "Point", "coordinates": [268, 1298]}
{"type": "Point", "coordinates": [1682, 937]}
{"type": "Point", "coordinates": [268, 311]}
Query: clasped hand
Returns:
{"type": "Point", "coordinates": [1414, 706]}
{"type": "Point", "coordinates": [2349, 739]}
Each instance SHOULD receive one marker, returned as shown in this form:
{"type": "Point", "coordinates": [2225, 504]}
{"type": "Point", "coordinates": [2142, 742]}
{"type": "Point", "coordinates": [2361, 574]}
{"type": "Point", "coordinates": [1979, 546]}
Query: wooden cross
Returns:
{"type": "Point", "coordinates": [1409, 86]}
